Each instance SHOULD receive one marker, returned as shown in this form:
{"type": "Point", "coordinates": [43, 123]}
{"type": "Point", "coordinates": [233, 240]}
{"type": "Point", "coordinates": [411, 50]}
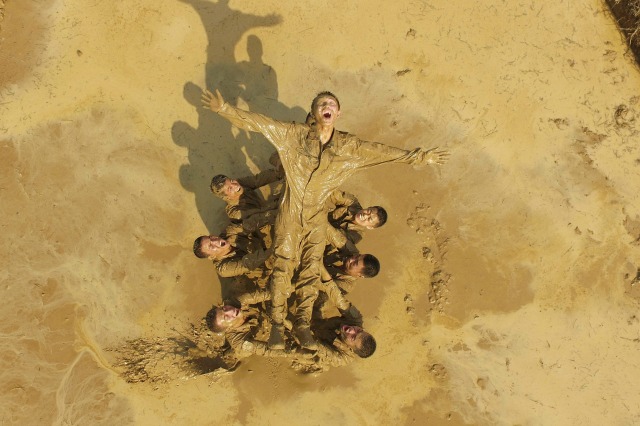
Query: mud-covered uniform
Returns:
{"type": "Point", "coordinates": [342, 218]}
{"type": "Point", "coordinates": [254, 266]}
{"type": "Point", "coordinates": [305, 298]}
{"type": "Point", "coordinates": [338, 203]}
{"type": "Point", "coordinates": [312, 172]}
{"type": "Point", "coordinates": [332, 351]}
{"type": "Point", "coordinates": [250, 211]}
{"type": "Point", "coordinates": [244, 339]}
{"type": "Point", "coordinates": [250, 201]}
{"type": "Point", "coordinates": [334, 265]}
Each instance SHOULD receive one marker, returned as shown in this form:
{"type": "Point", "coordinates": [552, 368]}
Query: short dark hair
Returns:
{"type": "Point", "coordinates": [367, 346]}
{"type": "Point", "coordinates": [217, 182]}
{"type": "Point", "coordinates": [382, 215]}
{"type": "Point", "coordinates": [212, 322]}
{"type": "Point", "coordinates": [324, 95]}
{"type": "Point", "coordinates": [310, 120]}
{"type": "Point", "coordinates": [371, 266]}
{"type": "Point", "coordinates": [197, 248]}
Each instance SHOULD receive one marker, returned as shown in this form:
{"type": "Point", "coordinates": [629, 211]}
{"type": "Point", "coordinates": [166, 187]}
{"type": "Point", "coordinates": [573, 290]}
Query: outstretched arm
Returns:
{"type": "Point", "coordinates": [369, 154]}
{"type": "Point", "coordinates": [280, 134]}
{"type": "Point", "coordinates": [211, 101]}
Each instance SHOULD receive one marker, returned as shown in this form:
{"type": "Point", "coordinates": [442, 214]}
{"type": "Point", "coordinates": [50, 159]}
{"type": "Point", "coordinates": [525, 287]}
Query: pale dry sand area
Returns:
{"type": "Point", "coordinates": [509, 286]}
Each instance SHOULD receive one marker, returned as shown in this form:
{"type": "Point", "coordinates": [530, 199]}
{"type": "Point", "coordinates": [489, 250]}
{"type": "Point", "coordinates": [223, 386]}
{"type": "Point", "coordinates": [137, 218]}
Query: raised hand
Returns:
{"type": "Point", "coordinates": [211, 101]}
{"type": "Point", "coordinates": [436, 156]}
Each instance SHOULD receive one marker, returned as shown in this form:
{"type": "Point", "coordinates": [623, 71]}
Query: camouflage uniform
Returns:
{"type": "Point", "coordinates": [252, 265]}
{"type": "Point", "coordinates": [334, 265]}
{"type": "Point", "coordinates": [342, 218]}
{"type": "Point", "coordinates": [305, 299]}
{"type": "Point", "coordinates": [250, 201]}
{"type": "Point", "coordinates": [250, 211]}
{"type": "Point", "coordinates": [332, 351]}
{"type": "Point", "coordinates": [338, 203]}
{"type": "Point", "coordinates": [242, 338]}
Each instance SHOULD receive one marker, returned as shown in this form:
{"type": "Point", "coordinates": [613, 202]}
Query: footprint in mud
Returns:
{"type": "Point", "coordinates": [438, 371]}
{"type": "Point", "coordinates": [632, 226]}
{"type": "Point", "coordinates": [408, 301]}
{"type": "Point", "coordinates": [434, 245]}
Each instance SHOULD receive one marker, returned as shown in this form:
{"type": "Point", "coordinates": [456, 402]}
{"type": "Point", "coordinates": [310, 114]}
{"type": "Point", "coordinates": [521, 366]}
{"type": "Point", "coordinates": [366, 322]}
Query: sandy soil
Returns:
{"type": "Point", "coordinates": [509, 291]}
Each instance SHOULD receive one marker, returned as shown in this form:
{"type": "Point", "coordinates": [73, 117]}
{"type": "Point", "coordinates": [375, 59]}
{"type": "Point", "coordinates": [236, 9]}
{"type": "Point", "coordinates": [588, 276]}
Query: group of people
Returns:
{"type": "Point", "coordinates": [298, 248]}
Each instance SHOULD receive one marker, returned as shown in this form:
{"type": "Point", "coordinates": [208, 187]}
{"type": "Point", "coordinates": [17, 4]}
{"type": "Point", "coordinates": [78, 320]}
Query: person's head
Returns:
{"type": "Point", "coordinates": [211, 247]}
{"type": "Point", "coordinates": [362, 343]}
{"type": "Point", "coordinates": [371, 217]}
{"type": "Point", "coordinates": [226, 188]}
{"type": "Point", "coordinates": [362, 265]}
{"type": "Point", "coordinates": [221, 318]}
{"type": "Point", "coordinates": [325, 108]}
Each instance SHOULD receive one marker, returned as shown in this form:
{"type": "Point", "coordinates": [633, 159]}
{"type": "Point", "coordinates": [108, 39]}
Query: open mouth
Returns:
{"type": "Point", "coordinates": [327, 115]}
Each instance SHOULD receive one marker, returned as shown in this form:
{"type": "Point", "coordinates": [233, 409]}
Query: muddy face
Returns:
{"type": "Point", "coordinates": [228, 316]}
{"type": "Point", "coordinates": [326, 111]}
{"type": "Point", "coordinates": [232, 190]}
{"type": "Point", "coordinates": [352, 335]}
{"type": "Point", "coordinates": [215, 247]}
{"type": "Point", "coordinates": [367, 217]}
{"type": "Point", "coordinates": [354, 265]}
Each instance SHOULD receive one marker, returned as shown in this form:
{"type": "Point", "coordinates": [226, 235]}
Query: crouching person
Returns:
{"type": "Point", "coordinates": [240, 328]}
{"type": "Point", "coordinates": [341, 340]}
{"type": "Point", "coordinates": [231, 261]}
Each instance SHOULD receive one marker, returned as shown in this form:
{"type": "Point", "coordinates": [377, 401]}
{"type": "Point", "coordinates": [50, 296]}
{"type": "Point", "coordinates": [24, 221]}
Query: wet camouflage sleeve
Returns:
{"type": "Point", "coordinates": [241, 265]}
{"type": "Point", "coordinates": [239, 214]}
{"type": "Point", "coordinates": [336, 237]}
{"type": "Point", "coordinates": [374, 153]}
{"type": "Point", "coordinates": [342, 199]}
{"type": "Point", "coordinates": [277, 132]}
{"type": "Point", "coordinates": [346, 284]}
{"type": "Point", "coordinates": [333, 356]}
{"type": "Point", "coordinates": [259, 219]}
{"type": "Point", "coordinates": [333, 292]}
{"type": "Point", "coordinates": [254, 297]}
{"type": "Point", "coordinates": [261, 179]}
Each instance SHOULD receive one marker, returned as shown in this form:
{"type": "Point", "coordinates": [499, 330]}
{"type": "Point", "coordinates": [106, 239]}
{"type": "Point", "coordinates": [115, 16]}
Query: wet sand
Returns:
{"type": "Point", "coordinates": [509, 284]}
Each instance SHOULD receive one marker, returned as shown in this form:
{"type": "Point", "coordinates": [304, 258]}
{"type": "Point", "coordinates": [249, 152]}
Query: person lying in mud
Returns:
{"type": "Point", "coordinates": [240, 328]}
{"type": "Point", "coordinates": [231, 261]}
{"type": "Point", "coordinates": [353, 220]}
{"type": "Point", "coordinates": [317, 159]}
{"type": "Point", "coordinates": [244, 204]}
{"type": "Point", "coordinates": [341, 341]}
{"type": "Point", "coordinates": [345, 270]}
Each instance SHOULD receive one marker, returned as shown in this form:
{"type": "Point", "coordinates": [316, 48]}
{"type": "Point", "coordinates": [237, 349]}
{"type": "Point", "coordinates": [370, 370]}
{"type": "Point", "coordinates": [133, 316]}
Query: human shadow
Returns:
{"type": "Point", "coordinates": [249, 84]}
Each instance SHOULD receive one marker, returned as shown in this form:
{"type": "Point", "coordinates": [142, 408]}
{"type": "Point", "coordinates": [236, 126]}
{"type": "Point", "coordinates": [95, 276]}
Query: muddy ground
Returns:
{"type": "Point", "coordinates": [509, 284]}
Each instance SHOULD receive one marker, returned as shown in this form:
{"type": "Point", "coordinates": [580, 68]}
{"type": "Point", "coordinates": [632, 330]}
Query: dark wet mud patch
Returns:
{"type": "Point", "coordinates": [627, 15]}
{"type": "Point", "coordinates": [23, 29]}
